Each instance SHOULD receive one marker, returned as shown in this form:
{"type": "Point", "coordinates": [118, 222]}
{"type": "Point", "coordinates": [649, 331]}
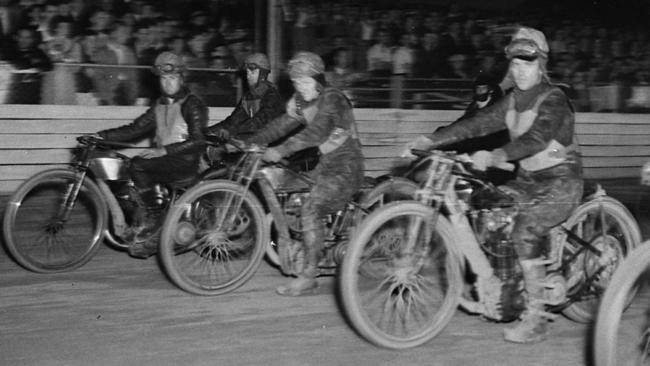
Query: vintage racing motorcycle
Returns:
{"type": "Point", "coordinates": [411, 263]}
{"type": "Point", "coordinates": [215, 235]}
{"type": "Point", "coordinates": [56, 219]}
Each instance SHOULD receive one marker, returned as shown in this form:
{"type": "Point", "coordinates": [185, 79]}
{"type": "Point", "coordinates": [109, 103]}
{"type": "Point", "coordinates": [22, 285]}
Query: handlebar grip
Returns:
{"type": "Point", "coordinates": [420, 152]}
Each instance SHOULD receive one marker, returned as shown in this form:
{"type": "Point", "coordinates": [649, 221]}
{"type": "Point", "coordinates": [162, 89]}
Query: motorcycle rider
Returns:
{"type": "Point", "coordinates": [260, 104]}
{"type": "Point", "coordinates": [329, 125]}
{"type": "Point", "coordinates": [177, 121]}
{"type": "Point", "coordinates": [548, 184]}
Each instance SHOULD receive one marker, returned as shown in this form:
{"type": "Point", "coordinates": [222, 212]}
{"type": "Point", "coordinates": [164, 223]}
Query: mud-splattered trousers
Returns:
{"type": "Point", "coordinates": [549, 183]}
{"type": "Point", "coordinates": [329, 124]}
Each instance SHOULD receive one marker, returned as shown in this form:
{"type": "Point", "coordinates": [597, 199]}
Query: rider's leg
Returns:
{"type": "Point", "coordinates": [333, 189]}
{"type": "Point", "coordinates": [312, 241]}
{"type": "Point", "coordinates": [145, 173]}
{"type": "Point", "coordinates": [545, 204]}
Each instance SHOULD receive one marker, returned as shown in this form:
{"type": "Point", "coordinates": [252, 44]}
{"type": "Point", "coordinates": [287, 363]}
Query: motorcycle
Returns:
{"type": "Point", "coordinates": [56, 219]}
{"type": "Point", "coordinates": [215, 235]}
{"type": "Point", "coordinates": [411, 263]}
{"type": "Point", "coordinates": [625, 340]}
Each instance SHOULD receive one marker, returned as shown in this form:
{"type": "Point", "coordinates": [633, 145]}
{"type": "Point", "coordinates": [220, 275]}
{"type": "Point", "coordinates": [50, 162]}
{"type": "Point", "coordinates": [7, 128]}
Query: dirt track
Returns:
{"type": "Point", "coordinates": [117, 310]}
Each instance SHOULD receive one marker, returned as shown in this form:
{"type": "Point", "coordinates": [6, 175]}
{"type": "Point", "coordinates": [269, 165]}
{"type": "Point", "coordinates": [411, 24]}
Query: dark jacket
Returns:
{"type": "Point", "coordinates": [256, 108]}
{"type": "Point", "coordinates": [193, 111]}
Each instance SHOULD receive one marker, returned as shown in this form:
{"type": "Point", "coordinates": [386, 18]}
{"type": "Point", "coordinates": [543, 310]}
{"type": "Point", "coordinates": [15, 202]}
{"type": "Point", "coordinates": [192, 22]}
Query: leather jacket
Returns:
{"type": "Point", "coordinates": [193, 111]}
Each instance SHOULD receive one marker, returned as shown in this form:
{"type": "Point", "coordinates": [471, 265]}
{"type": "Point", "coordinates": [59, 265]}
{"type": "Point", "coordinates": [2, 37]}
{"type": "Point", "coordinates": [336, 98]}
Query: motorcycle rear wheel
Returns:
{"type": "Point", "coordinates": [39, 238]}
{"type": "Point", "coordinates": [205, 254]}
{"type": "Point", "coordinates": [625, 339]}
{"type": "Point", "coordinates": [611, 228]}
{"type": "Point", "coordinates": [396, 298]}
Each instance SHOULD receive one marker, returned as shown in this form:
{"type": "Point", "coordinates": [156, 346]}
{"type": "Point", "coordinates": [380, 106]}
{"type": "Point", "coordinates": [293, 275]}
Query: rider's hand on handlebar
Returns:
{"type": "Point", "coordinates": [272, 155]}
{"type": "Point", "coordinates": [419, 143]}
{"type": "Point", "coordinates": [497, 158]}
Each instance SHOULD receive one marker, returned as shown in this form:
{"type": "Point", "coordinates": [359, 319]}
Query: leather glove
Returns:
{"type": "Point", "coordinates": [272, 155]}
{"type": "Point", "coordinates": [419, 143]}
{"type": "Point", "coordinates": [215, 153]}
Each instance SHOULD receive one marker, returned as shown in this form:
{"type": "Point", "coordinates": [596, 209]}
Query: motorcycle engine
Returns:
{"type": "Point", "coordinates": [292, 206]}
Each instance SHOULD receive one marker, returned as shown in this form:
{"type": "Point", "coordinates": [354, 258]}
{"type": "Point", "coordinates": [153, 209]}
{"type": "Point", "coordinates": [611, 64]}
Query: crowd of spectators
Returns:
{"type": "Point", "coordinates": [356, 39]}
{"type": "Point", "coordinates": [119, 32]}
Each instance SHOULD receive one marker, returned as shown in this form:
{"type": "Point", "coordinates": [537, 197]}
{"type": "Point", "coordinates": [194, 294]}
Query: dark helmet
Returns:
{"type": "Point", "coordinates": [257, 60]}
{"type": "Point", "coordinates": [169, 63]}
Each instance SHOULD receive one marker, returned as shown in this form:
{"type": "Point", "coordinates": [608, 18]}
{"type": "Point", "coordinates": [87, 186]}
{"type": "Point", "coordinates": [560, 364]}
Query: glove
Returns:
{"type": "Point", "coordinates": [483, 159]}
{"type": "Point", "coordinates": [419, 143]}
{"type": "Point", "coordinates": [215, 153]}
{"type": "Point", "coordinates": [222, 133]}
{"type": "Point", "coordinates": [272, 155]}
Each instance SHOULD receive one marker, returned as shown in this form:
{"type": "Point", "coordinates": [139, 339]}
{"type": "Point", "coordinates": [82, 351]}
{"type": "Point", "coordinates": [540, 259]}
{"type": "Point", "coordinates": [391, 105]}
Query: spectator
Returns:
{"type": "Point", "coordinates": [403, 57]}
{"type": "Point", "coordinates": [340, 75]}
{"type": "Point", "coordinates": [59, 86]}
{"type": "Point", "coordinates": [429, 62]}
{"type": "Point", "coordinates": [380, 55]}
{"type": "Point", "coordinates": [126, 89]}
{"type": "Point", "coordinates": [457, 64]}
{"type": "Point", "coordinates": [28, 62]}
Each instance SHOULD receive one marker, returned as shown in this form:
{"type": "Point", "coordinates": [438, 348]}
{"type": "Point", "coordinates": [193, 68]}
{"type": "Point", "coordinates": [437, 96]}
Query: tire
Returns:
{"type": "Point", "coordinates": [205, 260]}
{"type": "Point", "coordinates": [612, 330]}
{"type": "Point", "coordinates": [621, 237]}
{"type": "Point", "coordinates": [41, 243]}
{"type": "Point", "coordinates": [400, 280]}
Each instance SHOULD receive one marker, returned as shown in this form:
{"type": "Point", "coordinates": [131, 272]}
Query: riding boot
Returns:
{"type": "Point", "coordinates": [143, 242]}
{"type": "Point", "coordinates": [533, 326]}
{"type": "Point", "coordinates": [306, 282]}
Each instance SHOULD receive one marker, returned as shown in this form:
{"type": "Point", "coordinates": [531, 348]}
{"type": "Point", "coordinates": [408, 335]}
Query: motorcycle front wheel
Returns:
{"type": "Point", "coordinates": [608, 226]}
{"type": "Point", "coordinates": [400, 280]}
{"type": "Point", "coordinates": [213, 238]}
{"type": "Point", "coordinates": [624, 339]}
{"type": "Point", "coordinates": [43, 236]}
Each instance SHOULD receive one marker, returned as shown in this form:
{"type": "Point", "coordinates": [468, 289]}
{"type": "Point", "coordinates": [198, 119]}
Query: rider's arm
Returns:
{"type": "Point", "coordinates": [486, 121]}
{"type": "Point", "coordinates": [332, 108]}
{"type": "Point", "coordinates": [554, 121]}
{"type": "Point", "coordinates": [279, 127]}
{"type": "Point", "coordinates": [141, 126]}
{"type": "Point", "coordinates": [195, 113]}
{"type": "Point", "coordinates": [239, 114]}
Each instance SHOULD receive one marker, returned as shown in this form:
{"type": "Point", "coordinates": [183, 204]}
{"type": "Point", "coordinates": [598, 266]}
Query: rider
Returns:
{"type": "Point", "coordinates": [329, 125]}
{"type": "Point", "coordinates": [548, 185]}
{"type": "Point", "coordinates": [176, 121]}
{"type": "Point", "coordinates": [260, 104]}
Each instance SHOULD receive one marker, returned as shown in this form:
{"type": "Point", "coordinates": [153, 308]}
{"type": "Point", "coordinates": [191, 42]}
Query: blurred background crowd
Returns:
{"type": "Point", "coordinates": [82, 51]}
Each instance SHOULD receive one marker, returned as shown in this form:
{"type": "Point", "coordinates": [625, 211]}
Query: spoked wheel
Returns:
{"type": "Point", "coordinates": [394, 189]}
{"type": "Point", "coordinates": [609, 227]}
{"type": "Point", "coordinates": [400, 280]}
{"type": "Point", "coordinates": [624, 339]}
{"type": "Point", "coordinates": [213, 238]}
{"type": "Point", "coordinates": [42, 235]}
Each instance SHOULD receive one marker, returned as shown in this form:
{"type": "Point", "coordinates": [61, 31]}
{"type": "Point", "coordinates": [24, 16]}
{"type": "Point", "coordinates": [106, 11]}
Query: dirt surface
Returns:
{"type": "Point", "coordinates": [117, 310]}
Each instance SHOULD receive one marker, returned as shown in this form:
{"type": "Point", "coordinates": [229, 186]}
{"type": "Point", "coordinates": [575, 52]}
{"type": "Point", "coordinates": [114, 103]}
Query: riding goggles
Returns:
{"type": "Point", "coordinates": [525, 49]}
{"type": "Point", "coordinates": [167, 69]}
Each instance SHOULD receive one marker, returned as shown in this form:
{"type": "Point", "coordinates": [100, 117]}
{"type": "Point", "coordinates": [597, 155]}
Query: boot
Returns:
{"type": "Point", "coordinates": [533, 326]}
{"type": "Point", "coordinates": [304, 284]}
{"type": "Point", "coordinates": [143, 234]}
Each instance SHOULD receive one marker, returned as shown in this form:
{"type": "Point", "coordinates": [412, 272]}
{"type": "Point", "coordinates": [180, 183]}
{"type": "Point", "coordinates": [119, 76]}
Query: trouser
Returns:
{"type": "Point", "coordinates": [545, 199]}
{"type": "Point", "coordinates": [335, 186]}
{"type": "Point", "coordinates": [146, 172]}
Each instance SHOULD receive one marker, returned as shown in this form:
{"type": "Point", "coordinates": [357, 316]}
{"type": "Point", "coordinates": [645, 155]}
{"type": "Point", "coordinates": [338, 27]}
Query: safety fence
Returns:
{"type": "Point", "coordinates": [34, 138]}
{"type": "Point", "coordinates": [93, 84]}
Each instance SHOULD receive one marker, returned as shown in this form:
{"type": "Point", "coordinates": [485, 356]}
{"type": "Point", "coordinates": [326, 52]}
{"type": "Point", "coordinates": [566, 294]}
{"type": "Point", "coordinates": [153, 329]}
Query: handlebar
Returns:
{"type": "Point", "coordinates": [464, 158]}
{"type": "Point", "coordinates": [92, 140]}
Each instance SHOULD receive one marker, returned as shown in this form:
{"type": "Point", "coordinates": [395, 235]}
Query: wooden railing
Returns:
{"type": "Point", "coordinates": [34, 138]}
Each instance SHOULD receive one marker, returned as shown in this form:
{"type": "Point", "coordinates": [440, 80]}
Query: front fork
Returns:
{"type": "Point", "coordinates": [70, 197]}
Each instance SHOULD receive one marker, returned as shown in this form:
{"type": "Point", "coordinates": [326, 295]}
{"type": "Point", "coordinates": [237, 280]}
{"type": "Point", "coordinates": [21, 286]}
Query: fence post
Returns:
{"type": "Point", "coordinates": [396, 86]}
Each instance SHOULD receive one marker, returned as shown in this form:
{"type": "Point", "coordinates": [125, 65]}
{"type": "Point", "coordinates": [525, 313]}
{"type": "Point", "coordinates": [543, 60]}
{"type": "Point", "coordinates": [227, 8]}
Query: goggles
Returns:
{"type": "Point", "coordinates": [167, 69]}
{"type": "Point", "coordinates": [251, 66]}
{"type": "Point", "coordinates": [524, 49]}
